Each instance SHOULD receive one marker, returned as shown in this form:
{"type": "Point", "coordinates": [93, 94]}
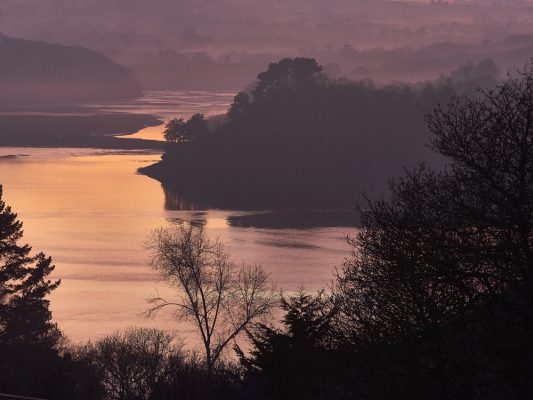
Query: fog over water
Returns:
{"type": "Point", "coordinates": [164, 105]}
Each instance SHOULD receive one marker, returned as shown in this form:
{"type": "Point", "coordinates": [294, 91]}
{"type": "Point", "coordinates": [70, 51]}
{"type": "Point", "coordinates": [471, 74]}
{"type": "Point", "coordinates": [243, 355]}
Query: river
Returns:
{"type": "Point", "coordinates": [92, 212]}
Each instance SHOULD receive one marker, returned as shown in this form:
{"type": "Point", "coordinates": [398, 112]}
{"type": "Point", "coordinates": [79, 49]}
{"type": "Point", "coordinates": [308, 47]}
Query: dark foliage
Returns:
{"type": "Point", "coordinates": [38, 370]}
{"type": "Point", "coordinates": [300, 361]}
{"type": "Point", "coordinates": [31, 362]}
{"type": "Point", "coordinates": [302, 140]}
{"type": "Point", "coordinates": [287, 74]}
{"type": "Point", "coordinates": [24, 284]}
{"type": "Point", "coordinates": [439, 285]}
{"type": "Point", "coordinates": [138, 364]}
{"type": "Point", "coordinates": [239, 107]}
{"type": "Point", "coordinates": [179, 131]}
{"type": "Point", "coordinates": [147, 364]}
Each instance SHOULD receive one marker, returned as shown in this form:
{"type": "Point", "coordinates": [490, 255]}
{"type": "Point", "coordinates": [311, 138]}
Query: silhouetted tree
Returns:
{"type": "Point", "coordinates": [29, 356]}
{"type": "Point", "coordinates": [469, 76]}
{"type": "Point", "coordinates": [37, 370]}
{"type": "Point", "coordinates": [179, 131]}
{"type": "Point", "coordinates": [174, 130]}
{"type": "Point", "coordinates": [239, 107]}
{"type": "Point", "coordinates": [221, 298]}
{"type": "Point", "coordinates": [440, 282]}
{"type": "Point", "coordinates": [299, 361]}
{"type": "Point", "coordinates": [196, 127]}
{"type": "Point", "coordinates": [25, 316]}
{"type": "Point", "coordinates": [138, 363]}
{"type": "Point", "coordinates": [289, 73]}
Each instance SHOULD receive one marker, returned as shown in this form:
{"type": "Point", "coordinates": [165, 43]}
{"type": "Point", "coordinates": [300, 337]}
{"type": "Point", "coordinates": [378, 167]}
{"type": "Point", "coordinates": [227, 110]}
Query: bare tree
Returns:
{"type": "Point", "coordinates": [221, 298]}
{"type": "Point", "coordinates": [136, 363]}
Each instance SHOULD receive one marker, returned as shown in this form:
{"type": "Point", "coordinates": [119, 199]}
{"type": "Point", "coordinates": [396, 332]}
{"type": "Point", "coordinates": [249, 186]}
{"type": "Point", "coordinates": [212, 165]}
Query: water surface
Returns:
{"type": "Point", "coordinates": [91, 212]}
{"type": "Point", "coordinates": [166, 105]}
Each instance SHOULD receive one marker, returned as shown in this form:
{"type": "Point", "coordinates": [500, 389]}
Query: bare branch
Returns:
{"type": "Point", "coordinates": [219, 296]}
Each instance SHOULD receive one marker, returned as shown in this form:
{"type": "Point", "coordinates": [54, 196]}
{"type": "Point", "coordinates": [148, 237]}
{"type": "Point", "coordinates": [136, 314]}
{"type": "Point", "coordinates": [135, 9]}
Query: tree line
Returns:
{"type": "Point", "coordinates": [298, 139]}
{"type": "Point", "coordinates": [177, 130]}
{"type": "Point", "coordinates": [435, 301]}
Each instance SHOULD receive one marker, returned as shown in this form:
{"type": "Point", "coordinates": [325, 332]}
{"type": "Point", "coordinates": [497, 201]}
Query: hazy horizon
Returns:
{"type": "Point", "coordinates": [182, 44]}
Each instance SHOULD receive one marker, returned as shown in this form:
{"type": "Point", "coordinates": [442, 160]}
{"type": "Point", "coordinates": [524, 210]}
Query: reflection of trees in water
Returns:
{"type": "Point", "coordinates": [195, 219]}
{"type": "Point", "coordinates": [176, 201]}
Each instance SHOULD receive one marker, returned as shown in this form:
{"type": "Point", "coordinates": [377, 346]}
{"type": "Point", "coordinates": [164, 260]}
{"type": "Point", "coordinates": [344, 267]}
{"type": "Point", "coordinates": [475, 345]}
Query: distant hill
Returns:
{"type": "Point", "coordinates": [34, 72]}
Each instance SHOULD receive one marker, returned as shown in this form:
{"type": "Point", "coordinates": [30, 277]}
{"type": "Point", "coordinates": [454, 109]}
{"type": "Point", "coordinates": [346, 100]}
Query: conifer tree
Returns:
{"type": "Point", "coordinates": [25, 316]}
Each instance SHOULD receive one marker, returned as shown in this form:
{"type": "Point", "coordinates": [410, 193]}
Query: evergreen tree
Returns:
{"type": "Point", "coordinates": [25, 316]}
{"type": "Point", "coordinates": [298, 361]}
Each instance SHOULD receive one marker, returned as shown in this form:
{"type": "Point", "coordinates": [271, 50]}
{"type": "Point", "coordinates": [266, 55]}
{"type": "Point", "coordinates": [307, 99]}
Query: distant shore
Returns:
{"type": "Point", "coordinates": [98, 130]}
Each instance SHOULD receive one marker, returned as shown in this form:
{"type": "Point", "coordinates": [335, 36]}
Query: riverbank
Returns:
{"type": "Point", "coordinates": [76, 128]}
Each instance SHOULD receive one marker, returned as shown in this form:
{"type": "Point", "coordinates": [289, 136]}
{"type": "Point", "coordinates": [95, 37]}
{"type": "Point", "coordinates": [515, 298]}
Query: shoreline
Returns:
{"type": "Point", "coordinates": [239, 194]}
{"type": "Point", "coordinates": [100, 131]}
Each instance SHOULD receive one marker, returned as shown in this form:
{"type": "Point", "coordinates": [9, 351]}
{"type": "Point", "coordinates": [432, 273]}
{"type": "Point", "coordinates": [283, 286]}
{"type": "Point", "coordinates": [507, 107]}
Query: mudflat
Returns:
{"type": "Point", "coordinates": [75, 129]}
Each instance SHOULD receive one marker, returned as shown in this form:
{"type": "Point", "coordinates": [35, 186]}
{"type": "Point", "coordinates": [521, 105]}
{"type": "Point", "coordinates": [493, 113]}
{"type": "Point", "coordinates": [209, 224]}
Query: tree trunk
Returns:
{"type": "Point", "coordinates": [209, 364]}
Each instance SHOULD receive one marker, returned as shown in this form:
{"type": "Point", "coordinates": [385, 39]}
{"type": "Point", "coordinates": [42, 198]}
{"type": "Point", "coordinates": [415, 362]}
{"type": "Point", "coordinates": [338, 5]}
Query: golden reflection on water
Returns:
{"type": "Point", "coordinates": [148, 133]}
{"type": "Point", "coordinates": [91, 212]}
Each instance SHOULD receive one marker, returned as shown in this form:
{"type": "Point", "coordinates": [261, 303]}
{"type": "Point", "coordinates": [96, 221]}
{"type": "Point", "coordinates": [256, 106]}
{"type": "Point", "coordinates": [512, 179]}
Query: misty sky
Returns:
{"type": "Point", "coordinates": [376, 39]}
